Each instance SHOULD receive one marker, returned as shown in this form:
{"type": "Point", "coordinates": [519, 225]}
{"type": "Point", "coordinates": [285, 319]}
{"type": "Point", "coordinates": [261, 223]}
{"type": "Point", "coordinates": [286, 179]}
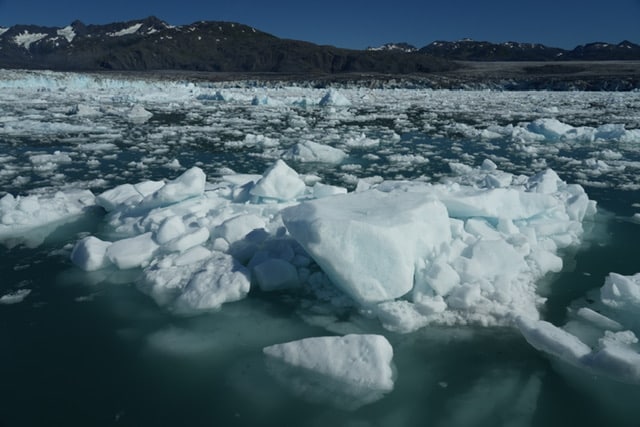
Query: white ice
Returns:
{"type": "Point", "coordinates": [21, 217]}
{"type": "Point", "coordinates": [469, 250]}
{"type": "Point", "coordinates": [348, 371]}
{"type": "Point", "coordinates": [309, 151]}
{"type": "Point", "coordinates": [602, 342]}
{"type": "Point", "coordinates": [280, 182]}
{"type": "Point", "coordinates": [368, 243]}
{"type": "Point", "coordinates": [15, 297]}
{"type": "Point", "coordinates": [334, 98]}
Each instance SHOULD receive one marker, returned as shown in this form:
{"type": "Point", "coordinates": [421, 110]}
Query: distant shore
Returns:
{"type": "Point", "coordinates": [557, 75]}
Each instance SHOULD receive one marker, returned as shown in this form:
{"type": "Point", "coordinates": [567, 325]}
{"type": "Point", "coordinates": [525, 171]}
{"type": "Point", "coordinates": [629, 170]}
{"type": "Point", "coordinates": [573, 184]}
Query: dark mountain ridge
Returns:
{"type": "Point", "coordinates": [471, 50]}
{"type": "Point", "coordinates": [152, 44]}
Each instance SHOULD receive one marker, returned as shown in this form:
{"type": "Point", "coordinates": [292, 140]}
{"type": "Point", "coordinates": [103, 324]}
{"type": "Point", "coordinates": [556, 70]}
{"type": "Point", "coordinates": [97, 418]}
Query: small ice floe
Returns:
{"type": "Point", "coordinates": [348, 372]}
{"type": "Point", "coordinates": [15, 297]}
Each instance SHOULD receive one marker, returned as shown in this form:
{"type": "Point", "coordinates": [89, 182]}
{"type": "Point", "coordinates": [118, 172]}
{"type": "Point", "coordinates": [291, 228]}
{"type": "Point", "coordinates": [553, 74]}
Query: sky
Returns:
{"type": "Point", "coordinates": [359, 24]}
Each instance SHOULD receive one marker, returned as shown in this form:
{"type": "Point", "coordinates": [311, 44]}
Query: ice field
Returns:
{"type": "Point", "coordinates": [238, 253]}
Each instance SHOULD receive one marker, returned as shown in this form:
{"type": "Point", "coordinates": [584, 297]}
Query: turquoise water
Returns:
{"type": "Point", "coordinates": [90, 349]}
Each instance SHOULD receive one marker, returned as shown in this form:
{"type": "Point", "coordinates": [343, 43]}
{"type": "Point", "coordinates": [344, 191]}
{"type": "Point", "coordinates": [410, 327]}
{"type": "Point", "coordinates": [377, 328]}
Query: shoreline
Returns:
{"type": "Point", "coordinates": [469, 75]}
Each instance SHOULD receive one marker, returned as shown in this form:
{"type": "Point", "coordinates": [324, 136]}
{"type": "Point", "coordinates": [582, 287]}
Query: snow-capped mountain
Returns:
{"type": "Point", "coordinates": [395, 47]}
{"type": "Point", "coordinates": [152, 44]}
{"type": "Point", "coordinates": [471, 50]}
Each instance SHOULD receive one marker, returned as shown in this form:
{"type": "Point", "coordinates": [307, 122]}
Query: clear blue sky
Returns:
{"type": "Point", "coordinates": [361, 23]}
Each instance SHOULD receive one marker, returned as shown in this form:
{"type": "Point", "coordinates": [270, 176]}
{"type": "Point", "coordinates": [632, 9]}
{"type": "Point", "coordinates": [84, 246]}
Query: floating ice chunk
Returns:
{"type": "Point", "coordinates": [401, 316]}
{"type": "Point", "coordinates": [323, 190]}
{"type": "Point", "coordinates": [368, 243]}
{"type": "Point", "coordinates": [599, 320]}
{"type": "Point", "coordinates": [190, 184]}
{"type": "Point", "coordinates": [90, 254]}
{"type": "Point", "coordinates": [187, 241]}
{"type": "Point", "coordinates": [21, 214]}
{"type": "Point", "coordinates": [15, 297]}
{"type": "Point", "coordinates": [218, 96]}
{"type": "Point", "coordinates": [616, 360]}
{"type": "Point", "coordinates": [174, 164]}
{"type": "Point", "coordinates": [236, 228]}
{"type": "Point", "coordinates": [266, 100]}
{"type": "Point", "coordinates": [146, 188]}
{"type": "Point", "coordinates": [138, 114]}
{"type": "Point", "coordinates": [171, 228]}
{"type": "Point", "coordinates": [335, 99]}
{"type": "Point", "coordinates": [221, 280]}
{"type": "Point", "coordinates": [251, 140]}
{"type": "Point", "coordinates": [191, 256]}
{"type": "Point", "coordinates": [195, 280]}
{"type": "Point", "coordinates": [279, 182]}
{"type": "Point", "coordinates": [546, 337]}
{"type": "Point", "coordinates": [132, 252]}
{"type": "Point", "coordinates": [127, 195]}
{"type": "Point", "coordinates": [441, 278]}
{"type": "Point", "coordinates": [621, 292]}
{"type": "Point", "coordinates": [275, 274]}
{"type": "Point", "coordinates": [507, 203]}
{"type": "Point", "coordinates": [597, 341]}
{"type": "Point", "coordinates": [610, 131]}
{"type": "Point", "coordinates": [308, 151]}
{"type": "Point", "coordinates": [551, 129]}
{"type": "Point", "coordinates": [362, 141]}
{"type": "Point", "coordinates": [349, 371]}
{"type": "Point", "coordinates": [83, 110]}
{"type": "Point", "coordinates": [545, 182]}
{"type": "Point", "coordinates": [494, 260]}
{"type": "Point", "coordinates": [49, 161]}
{"type": "Point", "coordinates": [121, 195]}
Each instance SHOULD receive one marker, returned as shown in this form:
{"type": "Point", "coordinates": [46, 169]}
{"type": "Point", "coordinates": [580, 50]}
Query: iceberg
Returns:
{"type": "Point", "coordinates": [309, 151]}
{"type": "Point", "coordinates": [335, 99]}
{"type": "Point", "coordinates": [368, 243]}
{"type": "Point", "coordinates": [90, 254]}
{"type": "Point", "coordinates": [30, 219]}
{"type": "Point", "coordinates": [467, 250]}
{"type": "Point", "coordinates": [279, 182]}
{"type": "Point", "coordinates": [348, 371]}
{"type": "Point", "coordinates": [194, 281]}
{"type": "Point", "coordinates": [602, 342]}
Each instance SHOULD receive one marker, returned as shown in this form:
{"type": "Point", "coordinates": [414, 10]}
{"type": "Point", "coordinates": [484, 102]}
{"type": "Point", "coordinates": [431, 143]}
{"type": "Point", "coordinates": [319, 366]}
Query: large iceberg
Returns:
{"type": "Point", "coordinates": [369, 243]}
{"type": "Point", "coordinates": [467, 250]}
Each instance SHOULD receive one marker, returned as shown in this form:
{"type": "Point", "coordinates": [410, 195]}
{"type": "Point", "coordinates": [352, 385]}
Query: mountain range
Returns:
{"type": "Point", "coordinates": [152, 44]}
{"type": "Point", "coordinates": [471, 50]}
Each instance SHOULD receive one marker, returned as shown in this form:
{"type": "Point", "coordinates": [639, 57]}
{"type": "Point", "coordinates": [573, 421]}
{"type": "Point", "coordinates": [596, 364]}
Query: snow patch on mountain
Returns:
{"type": "Point", "coordinates": [127, 31]}
{"type": "Point", "coordinates": [26, 39]}
{"type": "Point", "coordinates": [67, 32]}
